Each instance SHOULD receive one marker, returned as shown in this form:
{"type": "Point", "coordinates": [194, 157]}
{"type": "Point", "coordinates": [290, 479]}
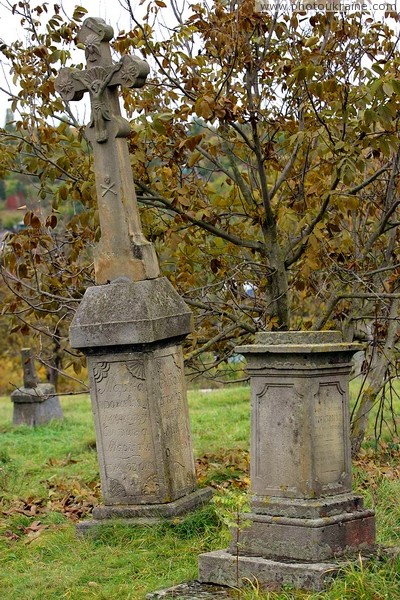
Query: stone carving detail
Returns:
{"type": "Point", "coordinates": [129, 72]}
{"type": "Point", "coordinates": [99, 76]}
{"type": "Point", "coordinates": [124, 422]}
{"type": "Point", "coordinates": [93, 32]}
{"type": "Point", "coordinates": [100, 371]}
{"type": "Point", "coordinates": [116, 488]}
{"type": "Point", "coordinates": [108, 186]}
{"type": "Point", "coordinates": [136, 369]}
{"type": "Point", "coordinates": [151, 485]}
{"type": "Point", "coordinates": [92, 44]}
{"type": "Point", "coordinates": [65, 84]}
{"type": "Point", "coordinates": [96, 80]}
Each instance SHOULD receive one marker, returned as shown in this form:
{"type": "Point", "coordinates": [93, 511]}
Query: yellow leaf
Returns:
{"type": "Point", "coordinates": [193, 159]}
{"type": "Point", "coordinates": [311, 41]}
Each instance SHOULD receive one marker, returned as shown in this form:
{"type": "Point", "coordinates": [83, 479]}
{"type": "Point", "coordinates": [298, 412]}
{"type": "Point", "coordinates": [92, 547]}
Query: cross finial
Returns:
{"type": "Point", "coordinates": [99, 79]}
{"type": "Point", "coordinates": [94, 32]}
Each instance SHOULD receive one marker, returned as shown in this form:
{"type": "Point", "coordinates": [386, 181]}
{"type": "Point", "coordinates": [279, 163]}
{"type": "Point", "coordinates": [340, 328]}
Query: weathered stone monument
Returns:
{"type": "Point", "coordinates": [304, 516]}
{"type": "Point", "coordinates": [35, 403]}
{"type": "Point", "coordinates": [131, 325]}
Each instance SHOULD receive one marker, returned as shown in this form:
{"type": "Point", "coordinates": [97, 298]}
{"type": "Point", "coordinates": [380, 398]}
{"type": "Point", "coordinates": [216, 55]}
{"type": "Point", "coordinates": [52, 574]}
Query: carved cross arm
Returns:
{"type": "Point", "coordinates": [68, 86]}
{"type": "Point", "coordinates": [133, 72]}
{"type": "Point", "coordinates": [129, 72]}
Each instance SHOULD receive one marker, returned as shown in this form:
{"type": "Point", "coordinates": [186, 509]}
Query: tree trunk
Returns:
{"type": "Point", "coordinates": [375, 379]}
{"type": "Point", "coordinates": [279, 281]}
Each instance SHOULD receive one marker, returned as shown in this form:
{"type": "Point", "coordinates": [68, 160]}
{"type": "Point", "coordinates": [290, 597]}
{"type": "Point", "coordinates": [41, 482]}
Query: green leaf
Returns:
{"type": "Point", "coordinates": [378, 69]}
{"type": "Point", "coordinates": [396, 86]}
{"type": "Point", "coordinates": [388, 88]}
{"type": "Point", "coordinates": [311, 41]}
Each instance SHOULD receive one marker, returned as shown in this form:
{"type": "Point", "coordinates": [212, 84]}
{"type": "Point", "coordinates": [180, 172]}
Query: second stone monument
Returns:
{"type": "Point", "coordinates": [305, 520]}
{"type": "Point", "coordinates": [131, 325]}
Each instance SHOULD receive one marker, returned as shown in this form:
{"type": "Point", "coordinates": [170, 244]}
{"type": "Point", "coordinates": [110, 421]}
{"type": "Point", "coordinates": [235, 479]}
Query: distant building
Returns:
{"type": "Point", "coordinates": [15, 201]}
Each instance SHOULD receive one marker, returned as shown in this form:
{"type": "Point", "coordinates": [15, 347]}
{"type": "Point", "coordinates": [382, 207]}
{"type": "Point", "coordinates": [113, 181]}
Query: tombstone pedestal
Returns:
{"type": "Point", "coordinates": [131, 325]}
{"type": "Point", "coordinates": [34, 403]}
{"type": "Point", "coordinates": [131, 334]}
{"type": "Point", "coordinates": [36, 406]}
{"type": "Point", "coordinates": [304, 515]}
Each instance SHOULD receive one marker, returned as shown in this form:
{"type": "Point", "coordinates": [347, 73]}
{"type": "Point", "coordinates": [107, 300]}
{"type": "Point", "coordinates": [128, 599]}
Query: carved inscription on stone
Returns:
{"type": "Point", "coordinates": [175, 422]}
{"type": "Point", "coordinates": [329, 451]}
{"type": "Point", "coordinates": [126, 451]}
{"type": "Point", "coordinates": [279, 438]}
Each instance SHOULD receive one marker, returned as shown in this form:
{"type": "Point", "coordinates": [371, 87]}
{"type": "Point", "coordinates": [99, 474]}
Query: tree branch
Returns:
{"type": "Point", "coordinates": [233, 239]}
{"type": "Point", "coordinates": [332, 303]}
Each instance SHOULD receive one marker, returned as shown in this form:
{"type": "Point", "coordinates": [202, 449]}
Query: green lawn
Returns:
{"type": "Point", "coordinates": [49, 479]}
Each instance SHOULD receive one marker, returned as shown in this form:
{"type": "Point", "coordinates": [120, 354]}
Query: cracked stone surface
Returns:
{"type": "Point", "coordinates": [193, 590]}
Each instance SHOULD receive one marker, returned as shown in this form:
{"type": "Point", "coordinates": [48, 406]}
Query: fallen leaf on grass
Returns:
{"type": "Point", "coordinates": [31, 537]}
{"type": "Point", "coordinates": [33, 531]}
{"type": "Point", "coordinates": [377, 465]}
{"type": "Point", "coordinates": [74, 499]}
{"type": "Point", "coordinates": [11, 535]}
{"type": "Point", "coordinates": [224, 469]}
{"type": "Point", "coordinates": [35, 526]}
{"type": "Point", "coordinates": [27, 507]}
{"type": "Point", "coordinates": [63, 462]}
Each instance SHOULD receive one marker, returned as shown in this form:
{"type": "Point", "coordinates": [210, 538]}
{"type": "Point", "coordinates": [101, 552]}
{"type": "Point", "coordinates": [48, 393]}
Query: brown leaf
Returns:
{"type": "Point", "coordinates": [11, 535]}
{"type": "Point", "coordinates": [51, 221]}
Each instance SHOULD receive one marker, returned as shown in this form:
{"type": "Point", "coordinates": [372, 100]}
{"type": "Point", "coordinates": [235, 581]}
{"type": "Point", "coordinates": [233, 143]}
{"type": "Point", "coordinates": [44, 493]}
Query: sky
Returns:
{"type": "Point", "coordinates": [10, 28]}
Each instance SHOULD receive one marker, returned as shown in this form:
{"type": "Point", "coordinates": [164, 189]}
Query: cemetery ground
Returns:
{"type": "Point", "coordinates": [49, 480]}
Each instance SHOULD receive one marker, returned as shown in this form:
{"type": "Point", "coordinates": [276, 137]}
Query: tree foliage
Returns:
{"type": "Point", "coordinates": [265, 150]}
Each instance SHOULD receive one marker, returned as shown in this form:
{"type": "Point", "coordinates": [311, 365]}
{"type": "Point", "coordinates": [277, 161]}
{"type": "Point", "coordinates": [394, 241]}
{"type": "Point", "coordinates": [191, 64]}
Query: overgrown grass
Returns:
{"type": "Point", "coordinates": [49, 479]}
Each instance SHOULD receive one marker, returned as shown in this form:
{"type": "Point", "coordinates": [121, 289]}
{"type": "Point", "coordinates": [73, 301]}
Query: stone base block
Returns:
{"type": "Point", "coordinates": [222, 568]}
{"type": "Point", "coordinates": [37, 413]}
{"type": "Point", "coordinates": [145, 513]}
{"type": "Point", "coordinates": [306, 539]}
{"type": "Point", "coordinates": [307, 508]}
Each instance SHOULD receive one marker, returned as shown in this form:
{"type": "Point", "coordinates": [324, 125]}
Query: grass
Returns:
{"type": "Point", "coordinates": [49, 479]}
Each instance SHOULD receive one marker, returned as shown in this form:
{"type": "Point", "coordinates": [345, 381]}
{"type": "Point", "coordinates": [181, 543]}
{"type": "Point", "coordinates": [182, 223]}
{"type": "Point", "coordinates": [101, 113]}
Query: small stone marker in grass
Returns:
{"type": "Point", "coordinates": [35, 403]}
{"type": "Point", "coordinates": [130, 325]}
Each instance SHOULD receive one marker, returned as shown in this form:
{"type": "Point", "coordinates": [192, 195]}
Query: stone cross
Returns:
{"type": "Point", "coordinates": [123, 252]}
{"type": "Point", "coordinates": [28, 366]}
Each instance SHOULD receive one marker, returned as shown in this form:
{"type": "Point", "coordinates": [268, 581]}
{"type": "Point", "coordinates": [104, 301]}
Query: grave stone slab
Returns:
{"type": "Point", "coordinates": [35, 403]}
{"type": "Point", "coordinates": [304, 514]}
{"type": "Point", "coordinates": [193, 590]}
{"type": "Point", "coordinates": [131, 324]}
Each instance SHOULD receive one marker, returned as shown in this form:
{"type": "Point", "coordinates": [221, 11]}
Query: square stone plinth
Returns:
{"type": "Point", "coordinates": [144, 514]}
{"type": "Point", "coordinates": [300, 442]}
{"type": "Point", "coordinates": [131, 334]}
{"type": "Point", "coordinates": [306, 539]}
{"type": "Point", "coordinates": [142, 425]}
{"type": "Point", "coordinates": [222, 568]}
{"type": "Point", "coordinates": [307, 508]}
